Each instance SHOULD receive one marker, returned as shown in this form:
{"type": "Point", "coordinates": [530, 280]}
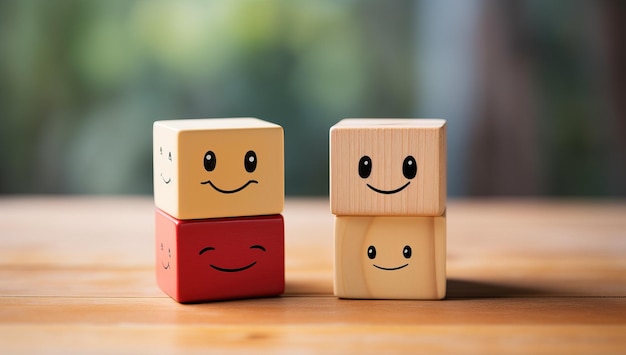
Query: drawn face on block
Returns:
{"type": "Point", "coordinates": [165, 173]}
{"type": "Point", "coordinates": [164, 256]}
{"type": "Point", "coordinates": [409, 170]}
{"type": "Point", "coordinates": [393, 262]}
{"type": "Point", "coordinates": [165, 165]}
{"type": "Point", "coordinates": [390, 257]}
{"type": "Point", "coordinates": [222, 168]}
{"type": "Point", "coordinates": [385, 167]}
{"type": "Point", "coordinates": [250, 163]}
{"type": "Point", "coordinates": [221, 258]}
{"type": "Point", "coordinates": [165, 250]}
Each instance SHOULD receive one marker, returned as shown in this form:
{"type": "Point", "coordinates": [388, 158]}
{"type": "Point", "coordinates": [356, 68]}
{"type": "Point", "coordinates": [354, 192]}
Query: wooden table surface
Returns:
{"type": "Point", "coordinates": [524, 276]}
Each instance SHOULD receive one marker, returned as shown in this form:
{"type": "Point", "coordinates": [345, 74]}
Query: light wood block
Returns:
{"type": "Point", "coordinates": [372, 167]}
{"type": "Point", "coordinates": [390, 257]}
{"type": "Point", "coordinates": [209, 168]}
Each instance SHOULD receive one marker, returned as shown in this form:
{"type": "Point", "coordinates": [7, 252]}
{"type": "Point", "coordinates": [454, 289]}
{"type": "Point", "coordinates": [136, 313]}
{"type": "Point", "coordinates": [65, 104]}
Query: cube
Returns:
{"type": "Point", "coordinates": [211, 168]}
{"type": "Point", "coordinates": [388, 167]}
{"type": "Point", "coordinates": [390, 257]}
{"type": "Point", "coordinates": [220, 259]}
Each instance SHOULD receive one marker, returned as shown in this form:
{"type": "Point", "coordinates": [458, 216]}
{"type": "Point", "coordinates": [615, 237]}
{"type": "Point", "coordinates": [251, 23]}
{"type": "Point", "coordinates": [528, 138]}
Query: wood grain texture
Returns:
{"type": "Point", "coordinates": [371, 260]}
{"type": "Point", "coordinates": [524, 276]}
{"type": "Point", "coordinates": [386, 190]}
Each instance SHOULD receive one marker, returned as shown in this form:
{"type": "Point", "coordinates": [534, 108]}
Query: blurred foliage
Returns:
{"type": "Point", "coordinates": [82, 81]}
{"type": "Point", "coordinates": [541, 111]}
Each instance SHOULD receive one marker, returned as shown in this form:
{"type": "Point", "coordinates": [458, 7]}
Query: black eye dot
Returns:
{"type": "Point", "coordinates": [365, 166]}
{"type": "Point", "coordinates": [371, 252]}
{"type": "Point", "coordinates": [161, 246]}
{"type": "Point", "coordinates": [161, 150]}
{"type": "Point", "coordinates": [249, 161]}
{"type": "Point", "coordinates": [169, 252]}
{"type": "Point", "coordinates": [409, 167]}
{"type": "Point", "coordinates": [407, 252]}
{"type": "Point", "coordinates": [256, 246]}
{"type": "Point", "coordinates": [209, 161]}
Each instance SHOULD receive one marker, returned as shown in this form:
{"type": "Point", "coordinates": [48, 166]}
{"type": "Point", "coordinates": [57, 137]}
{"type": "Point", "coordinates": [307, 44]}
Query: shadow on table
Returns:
{"type": "Point", "coordinates": [464, 289]}
{"type": "Point", "coordinates": [456, 289]}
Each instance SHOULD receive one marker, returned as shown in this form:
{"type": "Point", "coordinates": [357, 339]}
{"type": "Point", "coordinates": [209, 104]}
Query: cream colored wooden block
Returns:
{"type": "Point", "coordinates": [208, 168]}
{"type": "Point", "coordinates": [390, 257]}
{"type": "Point", "coordinates": [388, 167]}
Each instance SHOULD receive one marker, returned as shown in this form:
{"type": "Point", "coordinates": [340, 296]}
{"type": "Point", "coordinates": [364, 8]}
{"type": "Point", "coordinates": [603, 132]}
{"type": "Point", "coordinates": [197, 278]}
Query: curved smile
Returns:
{"type": "Point", "coordinates": [165, 266]}
{"type": "Point", "coordinates": [392, 268]}
{"type": "Point", "coordinates": [232, 270]}
{"type": "Point", "coordinates": [229, 191]}
{"type": "Point", "coordinates": [389, 192]}
{"type": "Point", "coordinates": [167, 181]}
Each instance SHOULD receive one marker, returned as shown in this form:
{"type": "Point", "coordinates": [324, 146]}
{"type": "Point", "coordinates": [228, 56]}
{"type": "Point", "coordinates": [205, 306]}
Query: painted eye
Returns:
{"type": "Point", "coordinates": [209, 161]}
{"type": "Point", "coordinates": [169, 253]}
{"type": "Point", "coordinates": [407, 252]}
{"type": "Point", "coordinates": [161, 150]}
{"type": "Point", "coordinates": [365, 167]}
{"type": "Point", "coordinates": [161, 246]}
{"type": "Point", "coordinates": [205, 250]}
{"type": "Point", "coordinates": [169, 156]}
{"type": "Point", "coordinates": [409, 167]}
{"type": "Point", "coordinates": [249, 161]}
{"type": "Point", "coordinates": [371, 252]}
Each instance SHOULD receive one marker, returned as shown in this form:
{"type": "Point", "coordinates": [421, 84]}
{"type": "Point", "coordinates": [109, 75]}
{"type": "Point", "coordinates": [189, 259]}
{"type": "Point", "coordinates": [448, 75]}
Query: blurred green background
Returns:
{"type": "Point", "coordinates": [534, 91]}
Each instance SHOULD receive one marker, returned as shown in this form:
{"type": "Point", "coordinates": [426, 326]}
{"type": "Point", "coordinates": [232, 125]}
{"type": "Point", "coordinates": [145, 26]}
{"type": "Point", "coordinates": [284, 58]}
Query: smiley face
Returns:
{"type": "Point", "coordinates": [407, 251]}
{"type": "Point", "coordinates": [165, 257]}
{"type": "Point", "coordinates": [168, 156]}
{"type": "Point", "coordinates": [389, 256]}
{"type": "Point", "coordinates": [233, 269]}
{"type": "Point", "coordinates": [409, 170]}
{"type": "Point", "coordinates": [165, 250]}
{"type": "Point", "coordinates": [249, 164]}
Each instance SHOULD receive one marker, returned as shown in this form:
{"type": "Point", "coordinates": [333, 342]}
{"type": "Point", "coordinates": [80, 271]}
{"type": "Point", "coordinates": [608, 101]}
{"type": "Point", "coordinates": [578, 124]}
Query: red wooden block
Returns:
{"type": "Point", "coordinates": [221, 258]}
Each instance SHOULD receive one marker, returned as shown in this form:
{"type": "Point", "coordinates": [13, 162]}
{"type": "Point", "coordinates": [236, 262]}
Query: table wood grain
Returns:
{"type": "Point", "coordinates": [524, 276]}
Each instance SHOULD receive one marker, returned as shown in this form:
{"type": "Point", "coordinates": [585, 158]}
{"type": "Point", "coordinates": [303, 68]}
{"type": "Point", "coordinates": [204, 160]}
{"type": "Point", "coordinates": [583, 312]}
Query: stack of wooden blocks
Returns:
{"type": "Point", "coordinates": [388, 193]}
{"type": "Point", "coordinates": [219, 195]}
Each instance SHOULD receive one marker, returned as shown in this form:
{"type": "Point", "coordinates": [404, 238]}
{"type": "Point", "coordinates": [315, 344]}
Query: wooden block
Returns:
{"type": "Point", "coordinates": [388, 167]}
{"type": "Point", "coordinates": [208, 168]}
{"type": "Point", "coordinates": [219, 259]}
{"type": "Point", "coordinates": [390, 257]}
